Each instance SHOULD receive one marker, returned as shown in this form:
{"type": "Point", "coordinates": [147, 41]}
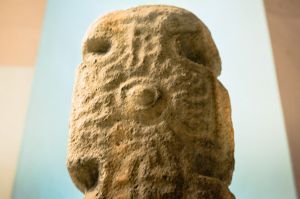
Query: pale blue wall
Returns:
{"type": "Point", "coordinates": [263, 169]}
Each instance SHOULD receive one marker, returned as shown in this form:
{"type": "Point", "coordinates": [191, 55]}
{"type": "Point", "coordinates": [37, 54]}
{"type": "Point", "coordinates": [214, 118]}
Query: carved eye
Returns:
{"type": "Point", "coordinates": [191, 47]}
{"type": "Point", "coordinates": [199, 48]}
{"type": "Point", "coordinates": [98, 45]}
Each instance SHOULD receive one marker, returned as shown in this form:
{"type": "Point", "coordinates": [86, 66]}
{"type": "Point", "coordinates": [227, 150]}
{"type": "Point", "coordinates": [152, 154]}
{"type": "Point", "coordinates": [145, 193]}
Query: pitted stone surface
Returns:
{"type": "Point", "coordinates": [149, 117]}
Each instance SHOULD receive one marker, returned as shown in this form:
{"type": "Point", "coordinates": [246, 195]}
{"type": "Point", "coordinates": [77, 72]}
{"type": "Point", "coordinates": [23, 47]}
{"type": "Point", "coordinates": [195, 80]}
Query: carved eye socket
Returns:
{"type": "Point", "coordinates": [194, 55]}
{"type": "Point", "coordinates": [98, 45]}
{"type": "Point", "coordinates": [199, 48]}
{"type": "Point", "coordinates": [191, 47]}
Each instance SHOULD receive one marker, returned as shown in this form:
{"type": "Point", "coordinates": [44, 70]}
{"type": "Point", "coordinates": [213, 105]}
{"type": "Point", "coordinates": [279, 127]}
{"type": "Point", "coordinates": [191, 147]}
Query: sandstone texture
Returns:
{"type": "Point", "coordinates": [149, 117]}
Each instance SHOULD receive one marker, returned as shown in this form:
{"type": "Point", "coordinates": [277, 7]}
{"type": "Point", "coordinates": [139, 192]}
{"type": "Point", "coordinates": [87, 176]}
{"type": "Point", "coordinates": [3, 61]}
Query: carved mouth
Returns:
{"type": "Point", "coordinates": [142, 100]}
{"type": "Point", "coordinates": [142, 96]}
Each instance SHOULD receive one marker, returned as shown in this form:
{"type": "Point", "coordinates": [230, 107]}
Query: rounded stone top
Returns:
{"type": "Point", "coordinates": [169, 25]}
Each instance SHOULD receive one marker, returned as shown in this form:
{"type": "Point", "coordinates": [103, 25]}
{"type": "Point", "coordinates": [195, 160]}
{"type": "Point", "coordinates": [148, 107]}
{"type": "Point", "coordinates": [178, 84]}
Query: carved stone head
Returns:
{"type": "Point", "coordinates": [149, 117]}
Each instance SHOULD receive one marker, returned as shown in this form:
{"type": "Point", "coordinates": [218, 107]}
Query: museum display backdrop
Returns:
{"type": "Point", "coordinates": [262, 168]}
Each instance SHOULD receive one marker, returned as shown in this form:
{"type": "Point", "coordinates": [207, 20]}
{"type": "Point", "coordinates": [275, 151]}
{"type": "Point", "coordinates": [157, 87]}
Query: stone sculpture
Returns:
{"type": "Point", "coordinates": [149, 117]}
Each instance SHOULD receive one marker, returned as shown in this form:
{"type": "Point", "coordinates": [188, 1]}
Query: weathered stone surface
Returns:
{"type": "Point", "coordinates": [149, 117]}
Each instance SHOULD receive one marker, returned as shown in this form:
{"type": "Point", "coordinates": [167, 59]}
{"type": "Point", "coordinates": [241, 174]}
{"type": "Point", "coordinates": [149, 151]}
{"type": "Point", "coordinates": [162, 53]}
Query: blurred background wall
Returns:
{"type": "Point", "coordinates": [284, 24]}
{"type": "Point", "coordinates": [44, 138]}
{"type": "Point", "coordinates": [20, 24]}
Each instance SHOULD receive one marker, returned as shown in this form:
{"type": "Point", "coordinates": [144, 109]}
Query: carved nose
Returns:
{"type": "Point", "coordinates": [143, 96]}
